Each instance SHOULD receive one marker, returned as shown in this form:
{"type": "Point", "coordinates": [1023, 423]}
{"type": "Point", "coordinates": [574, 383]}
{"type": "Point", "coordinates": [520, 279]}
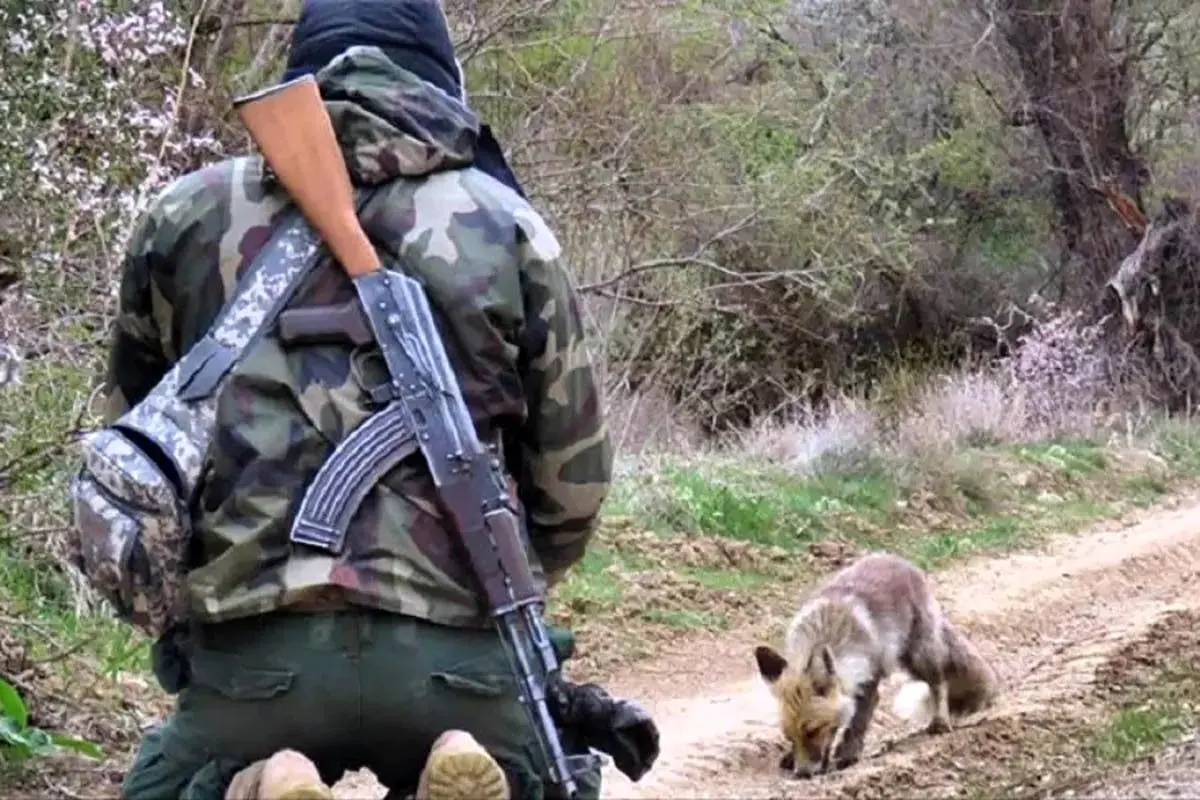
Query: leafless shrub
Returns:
{"type": "Point", "coordinates": [961, 409]}
{"type": "Point", "coordinates": [646, 422]}
{"type": "Point", "coordinates": [1055, 385]}
{"type": "Point", "coordinates": [838, 438]}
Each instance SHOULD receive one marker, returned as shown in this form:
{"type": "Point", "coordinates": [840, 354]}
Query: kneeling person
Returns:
{"type": "Point", "coordinates": [297, 665]}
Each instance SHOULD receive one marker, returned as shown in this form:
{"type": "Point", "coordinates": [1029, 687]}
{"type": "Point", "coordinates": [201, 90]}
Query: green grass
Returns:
{"type": "Point", "coordinates": [978, 501]}
{"type": "Point", "coordinates": [1073, 482]}
{"type": "Point", "coordinates": [761, 505]}
{"type": "Point", "coordinates": [1145, 490]}
{"type": "Point", "coordinates": [1178, 443]}
{"type": "Point", "coordinates": [1134, 733]}
{"type": "Point", "coordinates": [1072, 459]}
{"type": "Point", "coordinates": [728, 580]}
{"type": "Point", "coordinates": [35, 593]}
{"type": "Point", "coordinates": [1159, 699]}
{"type": "Point", "coordinates": [591, 586]}
{"type": "Point", "coordinates": [936, 549]}
{"type": "Point", "coordinates": [686, 618]}
{"type": "Point", "coordinates": [38, 603]}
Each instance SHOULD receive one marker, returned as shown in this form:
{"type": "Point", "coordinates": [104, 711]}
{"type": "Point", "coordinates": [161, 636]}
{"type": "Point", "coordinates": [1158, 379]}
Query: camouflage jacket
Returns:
{"type": "Point", "coordinates": [510, 321]}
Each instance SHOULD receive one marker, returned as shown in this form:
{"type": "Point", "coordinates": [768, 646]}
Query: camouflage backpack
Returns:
{"type": "Point", "coordinates": [133, 494]}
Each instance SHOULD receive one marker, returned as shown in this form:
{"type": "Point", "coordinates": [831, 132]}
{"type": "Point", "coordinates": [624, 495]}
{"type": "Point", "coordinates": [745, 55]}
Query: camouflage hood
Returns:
{"type": "Point", "coordinates": [391, 123]}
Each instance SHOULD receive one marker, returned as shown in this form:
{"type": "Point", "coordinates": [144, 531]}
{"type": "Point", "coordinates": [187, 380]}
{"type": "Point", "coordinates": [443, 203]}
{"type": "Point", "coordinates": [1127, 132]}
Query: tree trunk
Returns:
{"type": "Point", "coordinates": [1077, 81]}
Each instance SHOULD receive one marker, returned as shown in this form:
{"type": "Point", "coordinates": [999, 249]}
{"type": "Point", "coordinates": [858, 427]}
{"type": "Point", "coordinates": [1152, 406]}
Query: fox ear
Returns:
{"type": "Point", "coordinates": [770, 664]}
{"type": "Point", "coordinates": [821, 665]}
{"type": "Point", "coordinates": [827, 660]}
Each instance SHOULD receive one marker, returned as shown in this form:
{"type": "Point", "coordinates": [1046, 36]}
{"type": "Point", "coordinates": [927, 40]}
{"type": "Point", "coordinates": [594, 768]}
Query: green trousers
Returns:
{"type": "Point", "coordinates": [349, 689]}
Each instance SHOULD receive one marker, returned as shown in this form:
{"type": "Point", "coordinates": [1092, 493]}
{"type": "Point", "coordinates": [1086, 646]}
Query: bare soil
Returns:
{"type": "Point", "coordinates": [1067, 627]}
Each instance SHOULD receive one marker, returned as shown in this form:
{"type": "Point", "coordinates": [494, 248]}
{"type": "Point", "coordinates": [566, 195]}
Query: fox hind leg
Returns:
{"type": "Point", "coordinates": [941, 715]}
{"type": "Point", "coordinates": [926, 662]}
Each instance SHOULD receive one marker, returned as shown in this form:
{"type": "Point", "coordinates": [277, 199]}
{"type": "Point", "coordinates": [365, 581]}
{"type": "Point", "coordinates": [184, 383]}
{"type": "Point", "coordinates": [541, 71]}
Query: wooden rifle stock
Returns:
{"type": "Point", "coordinates": [293, 131]}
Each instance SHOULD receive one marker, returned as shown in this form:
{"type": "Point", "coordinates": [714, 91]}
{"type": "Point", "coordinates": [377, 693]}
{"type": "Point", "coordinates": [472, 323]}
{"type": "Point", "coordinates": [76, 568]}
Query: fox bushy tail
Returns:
{"type": "Point", "coordinates": [973, 682]}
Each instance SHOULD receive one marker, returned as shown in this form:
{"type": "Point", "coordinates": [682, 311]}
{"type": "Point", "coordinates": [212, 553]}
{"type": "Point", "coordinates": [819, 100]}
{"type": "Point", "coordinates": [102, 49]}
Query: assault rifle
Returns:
{"type": "Point", "coordinates": [424, 409]}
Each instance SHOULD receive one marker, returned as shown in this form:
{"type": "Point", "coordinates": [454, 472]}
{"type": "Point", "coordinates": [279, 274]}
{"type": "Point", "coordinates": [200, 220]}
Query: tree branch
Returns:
{"type": "Point", "coordinates": [695, 259]}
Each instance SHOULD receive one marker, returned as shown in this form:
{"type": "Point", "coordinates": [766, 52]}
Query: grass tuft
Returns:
{"type": "Point", "coordinates": [1136, 732]}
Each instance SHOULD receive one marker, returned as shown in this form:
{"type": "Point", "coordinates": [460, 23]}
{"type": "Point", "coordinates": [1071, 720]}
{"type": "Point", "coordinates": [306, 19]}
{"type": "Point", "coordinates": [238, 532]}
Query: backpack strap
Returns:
{"type": "Point", "coordinates": [133, 495]}
{"type": "Point", "coordinates": [263, 291]}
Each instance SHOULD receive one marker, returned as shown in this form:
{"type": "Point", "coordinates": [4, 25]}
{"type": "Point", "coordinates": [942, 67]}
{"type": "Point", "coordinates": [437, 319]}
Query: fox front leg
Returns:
{"type": "Point", "coordinates": [849, 750]}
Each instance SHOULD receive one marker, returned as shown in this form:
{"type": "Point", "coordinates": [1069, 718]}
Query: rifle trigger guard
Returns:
{"type": "Point", "coordinates": [381, 392]}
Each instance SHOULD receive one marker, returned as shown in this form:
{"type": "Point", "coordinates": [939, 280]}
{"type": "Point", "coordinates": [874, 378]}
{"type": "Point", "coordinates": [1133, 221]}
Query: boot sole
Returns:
{"type": "Point", "coordinates": [465, 775]}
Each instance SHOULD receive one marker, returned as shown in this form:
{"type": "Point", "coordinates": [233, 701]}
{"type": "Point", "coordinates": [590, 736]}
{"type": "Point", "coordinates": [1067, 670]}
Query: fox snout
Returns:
{"type": "Point", "coordinates": [808, 755]}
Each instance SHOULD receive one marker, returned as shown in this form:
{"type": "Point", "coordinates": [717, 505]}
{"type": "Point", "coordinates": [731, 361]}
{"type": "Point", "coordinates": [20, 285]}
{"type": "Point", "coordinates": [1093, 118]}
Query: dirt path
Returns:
{"type": "Point", "coordinates": [1046, 619]}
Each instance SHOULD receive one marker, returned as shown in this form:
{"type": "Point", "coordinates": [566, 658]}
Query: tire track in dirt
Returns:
{"type": "Point", "coordinates": [1046, 619]}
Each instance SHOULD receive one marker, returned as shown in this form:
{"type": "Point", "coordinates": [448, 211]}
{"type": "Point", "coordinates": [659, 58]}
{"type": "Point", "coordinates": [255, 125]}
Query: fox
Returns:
{"type": "Point", "coordinates": [869, 620]}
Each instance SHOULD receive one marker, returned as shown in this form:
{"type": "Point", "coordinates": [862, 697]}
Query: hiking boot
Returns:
{"type": "Point", "coordinates": [458, 768]}
{"type": "Point", "coordinates": [287, 775]}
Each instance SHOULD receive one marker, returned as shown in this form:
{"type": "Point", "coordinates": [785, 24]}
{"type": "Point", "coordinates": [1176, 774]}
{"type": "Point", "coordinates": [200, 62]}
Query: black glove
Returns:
{"type": "Point", "coordinates": [620, 728]}
{"type": "Point", "coordinates": [169, 659]}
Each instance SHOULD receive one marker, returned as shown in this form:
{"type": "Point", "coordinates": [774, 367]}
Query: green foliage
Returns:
{"type": "Point", "coordinates": [972, 153]}
{"type": "Point", "coordinates": [1009, 239]}
{"type": "Point", "coordinates": [20, 741]}
{"type": "Point", "coordinates": [761, 148]}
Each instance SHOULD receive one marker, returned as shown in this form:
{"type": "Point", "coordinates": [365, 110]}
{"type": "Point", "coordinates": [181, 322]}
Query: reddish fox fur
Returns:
{"type": "Point", "coordinates": [872, 618]}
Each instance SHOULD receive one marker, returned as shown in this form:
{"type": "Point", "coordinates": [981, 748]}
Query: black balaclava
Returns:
{"type": "Point", "coordinates": [412, 33]}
